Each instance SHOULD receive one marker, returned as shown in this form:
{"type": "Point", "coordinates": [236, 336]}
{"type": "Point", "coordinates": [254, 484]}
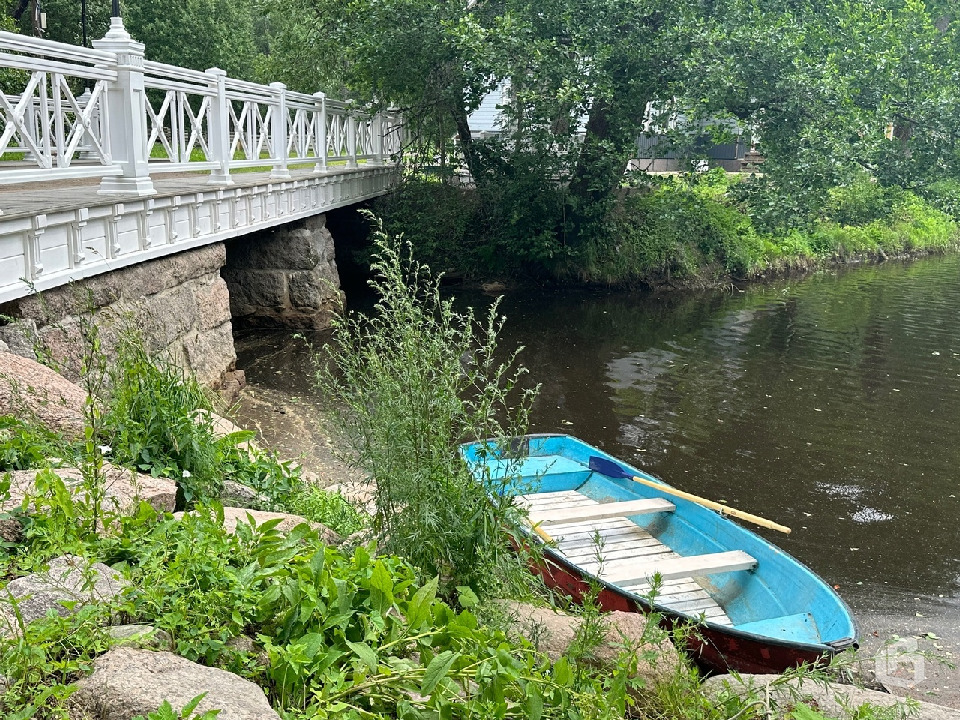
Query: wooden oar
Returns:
{"type": "Point", "coordinates": [545, 536]}
{"type": "Point", "coordinates": [611, 469]}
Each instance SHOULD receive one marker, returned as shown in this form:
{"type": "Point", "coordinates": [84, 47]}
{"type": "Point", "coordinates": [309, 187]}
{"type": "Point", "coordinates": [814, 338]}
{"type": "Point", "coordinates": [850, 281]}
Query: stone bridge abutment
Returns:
{"type": "Point", "coordinates": [185, 305]}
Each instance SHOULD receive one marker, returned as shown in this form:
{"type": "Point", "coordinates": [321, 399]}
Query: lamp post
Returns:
{"type": "Point", "coordinates": [83, 21]}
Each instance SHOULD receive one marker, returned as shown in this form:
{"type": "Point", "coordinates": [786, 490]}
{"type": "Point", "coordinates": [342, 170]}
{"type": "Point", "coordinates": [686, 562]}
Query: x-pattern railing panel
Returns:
{"type": "Point", "coordinates": [47, 123]}
{"type": "Point", "coordinates": [203, 120]}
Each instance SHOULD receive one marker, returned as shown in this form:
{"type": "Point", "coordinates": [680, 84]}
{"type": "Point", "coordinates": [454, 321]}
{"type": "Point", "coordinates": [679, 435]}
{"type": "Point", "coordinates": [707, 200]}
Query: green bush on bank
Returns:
{"type": "Point", "coordinates": [408, 384]}
{"type": "Point", "coordinates": [353, 636]}
{"type": "Point", "coordinates": [695, 229]}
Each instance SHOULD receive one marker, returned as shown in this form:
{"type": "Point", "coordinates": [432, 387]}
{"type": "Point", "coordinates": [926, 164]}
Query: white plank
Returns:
{"type": "Point", "coordinates": [621, 573]}
{"type": "Point", "coordinates": [602, 511]}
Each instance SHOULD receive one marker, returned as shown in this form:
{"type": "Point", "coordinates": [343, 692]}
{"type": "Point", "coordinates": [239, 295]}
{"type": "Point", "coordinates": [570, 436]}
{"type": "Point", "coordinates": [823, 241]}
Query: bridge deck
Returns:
{"type": "Point", "coordinates": [56, 231]}
{"type": "Point", "coordinates": [50, 196]}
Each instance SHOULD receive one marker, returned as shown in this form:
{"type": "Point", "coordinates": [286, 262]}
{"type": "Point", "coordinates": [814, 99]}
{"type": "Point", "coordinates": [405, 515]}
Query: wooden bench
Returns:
{"type": "Point", "coordinates": [601, 511]}
{"type": "Point", "coordinates": [624, 573]}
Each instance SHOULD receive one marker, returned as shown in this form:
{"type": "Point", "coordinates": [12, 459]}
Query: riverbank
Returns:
{"type": "Point", "coordinates": [682, 232]}
{"type": "Point", "coordinates": [928, 632]}
{"type": "Point", "coordinates": [820, 402]}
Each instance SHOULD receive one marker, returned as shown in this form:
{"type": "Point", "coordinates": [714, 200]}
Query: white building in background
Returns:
{"type": "Point", "coordinates": [651, 155]}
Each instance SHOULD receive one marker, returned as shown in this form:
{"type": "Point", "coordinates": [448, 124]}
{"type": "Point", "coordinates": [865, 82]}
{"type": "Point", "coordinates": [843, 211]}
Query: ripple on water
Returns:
{"type": "Point", "coordinates": [870, 515]}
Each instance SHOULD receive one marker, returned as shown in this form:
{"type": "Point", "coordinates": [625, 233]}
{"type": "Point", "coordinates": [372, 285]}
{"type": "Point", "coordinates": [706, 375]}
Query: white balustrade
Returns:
{"type": "Point", "coordinates": [107, 112]}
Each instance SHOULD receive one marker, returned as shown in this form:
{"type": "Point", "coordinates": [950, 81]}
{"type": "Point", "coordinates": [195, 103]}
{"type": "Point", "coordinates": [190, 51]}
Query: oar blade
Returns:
{"type": "Point", "coordinates": [607, 467]}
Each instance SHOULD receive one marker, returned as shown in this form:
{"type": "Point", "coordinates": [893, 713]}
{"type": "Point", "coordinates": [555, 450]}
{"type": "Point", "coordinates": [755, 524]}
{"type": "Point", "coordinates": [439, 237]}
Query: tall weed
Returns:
{"type": "Point", "coordinates": [409, 383]}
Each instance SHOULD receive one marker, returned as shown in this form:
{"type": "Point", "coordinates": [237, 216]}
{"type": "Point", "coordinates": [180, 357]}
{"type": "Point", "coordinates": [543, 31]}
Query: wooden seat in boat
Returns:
{"type": "Point", "coordinates": [604, 543]}
{"type": "Point", "coordinates": [600, 511]}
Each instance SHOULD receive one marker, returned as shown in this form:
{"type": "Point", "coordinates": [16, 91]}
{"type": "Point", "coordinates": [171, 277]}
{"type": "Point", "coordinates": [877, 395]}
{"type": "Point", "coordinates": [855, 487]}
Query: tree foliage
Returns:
{"type": "Point", "coordinates": [829, 87]}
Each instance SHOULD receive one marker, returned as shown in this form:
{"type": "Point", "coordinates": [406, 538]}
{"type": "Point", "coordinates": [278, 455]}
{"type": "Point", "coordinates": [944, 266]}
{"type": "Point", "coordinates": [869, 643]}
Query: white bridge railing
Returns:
{"type": "Point", "coordinates": [107, 112]}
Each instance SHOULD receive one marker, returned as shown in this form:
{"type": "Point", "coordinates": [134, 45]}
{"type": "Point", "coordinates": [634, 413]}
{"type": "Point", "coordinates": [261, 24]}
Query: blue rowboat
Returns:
{"type": "Point", "coordinates": [757, 608]}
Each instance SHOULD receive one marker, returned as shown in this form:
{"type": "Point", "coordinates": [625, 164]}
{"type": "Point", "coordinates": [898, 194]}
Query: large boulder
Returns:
{"type": "Point", "coordinates": [553, 632]}
{"type": "Point", "coordinates": [69, 583]}
{"type": "Point", "coordinates": [127, 682]}
{"type": "Point", "coordinates": [233, 516]}
{"type": "Point", "coordinates": [29, 390]}
{"type": "Point", "coordinates": [123, 488]}
{"type": "Point", "coordinates": [833, 700]}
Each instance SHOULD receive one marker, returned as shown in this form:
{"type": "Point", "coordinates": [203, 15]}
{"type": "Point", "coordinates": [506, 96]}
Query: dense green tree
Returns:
{"type": "Point", "coordinates": [197, 34]}
{"type": "Point", "coordinates": [824, 83]}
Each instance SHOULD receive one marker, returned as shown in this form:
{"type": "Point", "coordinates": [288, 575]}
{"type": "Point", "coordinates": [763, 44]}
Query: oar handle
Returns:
{"type": "Point", "coordinates": [723, 509]}
{"type": "Point", "coordinates": [544, 535]}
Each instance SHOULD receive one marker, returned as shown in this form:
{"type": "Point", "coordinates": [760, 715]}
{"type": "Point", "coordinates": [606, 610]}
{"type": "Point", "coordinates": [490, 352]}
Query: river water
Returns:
{"type": "Point", "coordinates": [830, 404]}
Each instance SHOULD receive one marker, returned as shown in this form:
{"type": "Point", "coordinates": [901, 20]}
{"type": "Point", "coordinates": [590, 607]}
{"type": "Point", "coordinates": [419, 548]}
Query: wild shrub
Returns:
{"type": "Point", "coordinates": [330, 508]}
{"type": "Point", "coordinates": [408, 384]}
{"type": "Point", "coordinates": [25, 445]}
{"type": "Point", "coordinates": [157, 420]}
{"type": "Point", "coordinates": [679, 228]}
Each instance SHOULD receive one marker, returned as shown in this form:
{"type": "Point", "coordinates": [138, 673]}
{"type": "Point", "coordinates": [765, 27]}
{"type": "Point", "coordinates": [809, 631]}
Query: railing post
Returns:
{"type": "Point", "coordinates": [219, 124]}
{"type": "Point", "coordinates": [376, 129]}
{"type": "Point", "coordinates": [321, 134]}
{"type": "Point", "coordinates": [126, 120]}
{"type": "Point", "coordinates": [278, 132]}
{"type": "Point", "coordinates": [351, 118]}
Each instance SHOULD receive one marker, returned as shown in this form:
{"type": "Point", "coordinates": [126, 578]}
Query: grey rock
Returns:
{"type": "Point", "coordinates": [232, 516]}
{"type": "Point", "coordinates": [237, 494]}
{"type": "Point", "coordinates": [553, 632]}
{"type": "Point", "coordinates": [832, 699]}
{"type": "Point", "coordinates": [30, 390]}
{"type": "Point", "coordinates": [169, 314]}
{"type": "Point", "coordinates": [213, 303]}
{"type": "Point", "coordinates": [210, 354]}
{"type": "Point", "coordinates": [126, 682]}
{"type": "Point", "coordinates": [144, 637]}
{"type": "Point", "coordinates": [69, 579]}
{"type": "Point", "coordinates": [20, 338]}
{"type": "Point", "coordinates": [123, 488]}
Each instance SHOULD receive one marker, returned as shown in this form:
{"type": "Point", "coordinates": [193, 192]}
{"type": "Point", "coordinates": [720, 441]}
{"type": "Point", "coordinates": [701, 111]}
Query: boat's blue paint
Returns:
{"type": "Point", "coordinates": [780, 599]}
{"type": "Point", "coordinates": [801, 628]}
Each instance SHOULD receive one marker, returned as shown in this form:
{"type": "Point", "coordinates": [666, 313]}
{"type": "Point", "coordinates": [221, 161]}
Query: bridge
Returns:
{"type": "Point", "coordinates": [109, 161]}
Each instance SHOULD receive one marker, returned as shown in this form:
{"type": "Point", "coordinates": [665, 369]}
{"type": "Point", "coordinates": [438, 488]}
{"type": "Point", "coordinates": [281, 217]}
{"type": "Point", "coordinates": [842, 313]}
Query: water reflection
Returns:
{"type": "Point", "coordinates": [828, 404]}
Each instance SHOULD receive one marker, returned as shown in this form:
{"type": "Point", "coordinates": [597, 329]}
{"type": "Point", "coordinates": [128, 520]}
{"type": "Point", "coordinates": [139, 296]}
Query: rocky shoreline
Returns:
{"type": "Point", "coordinates": [138, 672]}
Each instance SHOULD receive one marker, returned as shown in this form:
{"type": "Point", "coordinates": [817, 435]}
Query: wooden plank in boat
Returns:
{"type": "Point", "coordinates": [647, 554]}
{"type": "Point", "coordinates": [629, 573]}
{"type": "Point", "coordinates": [612, 538]}
{"type": "Point", "coordinates": [602, 511]}
{"type": "Point", "coordinates": [561, 496]}
{"type": "Point", "coordinates": [621, 551]}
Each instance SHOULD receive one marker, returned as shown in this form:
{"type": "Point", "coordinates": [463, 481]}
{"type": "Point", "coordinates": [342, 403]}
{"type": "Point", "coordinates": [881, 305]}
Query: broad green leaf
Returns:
{"type": "Point", "coordinates": [366, 654]}
{"type": "Point", "coordinates": [562, 672]}
{"type": "Point", "coordinates": [418, 610]}
{"type": "Point", "coordinates": [466, 596]}
{"type": "Point", "coordinates": [317, 561]}
{"type": "Point", "coordinates": [437, 669]}
{"type": "Point", "coordinates": [534, 702]}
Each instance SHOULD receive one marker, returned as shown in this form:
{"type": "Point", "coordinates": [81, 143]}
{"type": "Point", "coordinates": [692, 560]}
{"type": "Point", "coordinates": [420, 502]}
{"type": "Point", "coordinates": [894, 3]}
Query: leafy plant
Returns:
{"type": "Point", "coordinates": [329, 508]}
{"type": "Point", "coordinates": [409, 383]}
{"type": "Point", "coordinates": [166, 712]}
{"type": "Point", "coordinates": [26, 445]}
{"type": "Point", "coordinates": [157, 420]}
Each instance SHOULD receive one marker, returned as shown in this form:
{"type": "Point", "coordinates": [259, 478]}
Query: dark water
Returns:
{"type": "Point", "coordinates": [829, 404]}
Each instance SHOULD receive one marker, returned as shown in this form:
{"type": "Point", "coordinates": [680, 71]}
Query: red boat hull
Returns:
{"type": "Point", "coordinates": [713, 647]}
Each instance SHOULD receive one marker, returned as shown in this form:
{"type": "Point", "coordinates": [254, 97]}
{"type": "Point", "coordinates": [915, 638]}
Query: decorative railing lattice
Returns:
{"type": "Point", "coordinates": [108, 112]}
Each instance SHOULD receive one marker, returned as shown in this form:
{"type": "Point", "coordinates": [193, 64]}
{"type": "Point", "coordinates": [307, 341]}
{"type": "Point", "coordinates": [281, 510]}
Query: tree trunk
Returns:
{"type": "Point", "coordinates": [600, 167]}
{"type": "Point", "coordinates": [466, 141]}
